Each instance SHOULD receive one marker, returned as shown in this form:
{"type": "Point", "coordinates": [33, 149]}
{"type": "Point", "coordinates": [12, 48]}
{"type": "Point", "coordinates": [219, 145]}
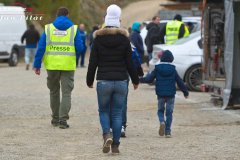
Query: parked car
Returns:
{"type": "Point", "coordinates": [13, 25]}
{"type": "Point", "coordinates": [187, 54]}
{"type": "Point", "coordinates": [197, 27]}
{"type": "Point", "coordinates": [193, 20]}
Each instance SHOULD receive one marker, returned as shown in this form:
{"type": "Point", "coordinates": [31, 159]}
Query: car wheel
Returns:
{"type": "Point", "coordinates": [194, 78]}
{"type": "Point", "coordinates": [13, 61]}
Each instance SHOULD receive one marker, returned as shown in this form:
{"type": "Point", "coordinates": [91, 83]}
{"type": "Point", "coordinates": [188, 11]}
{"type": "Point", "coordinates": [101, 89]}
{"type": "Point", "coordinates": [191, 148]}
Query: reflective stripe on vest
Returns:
{"type": "Point", "coordinates": [60, 43]}
{"type": "Point", "coordinates": [60, 51]}
{"type": "Point", "coordinates": [172, 31]}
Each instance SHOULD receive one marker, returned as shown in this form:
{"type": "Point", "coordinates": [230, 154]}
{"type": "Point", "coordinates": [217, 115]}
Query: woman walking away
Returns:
{"type": "Point", "coordinates": [111, 53]}
{"type": "Point", "coordinates": [137, 40]}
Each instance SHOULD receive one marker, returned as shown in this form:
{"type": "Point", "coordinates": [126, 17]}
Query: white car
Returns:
{"type": "Point", "coordinates": [144, 31]}
{"type": "Point", "coordinates": [187, 54]}
{"type": "Point", "coordinates": [13, 25]}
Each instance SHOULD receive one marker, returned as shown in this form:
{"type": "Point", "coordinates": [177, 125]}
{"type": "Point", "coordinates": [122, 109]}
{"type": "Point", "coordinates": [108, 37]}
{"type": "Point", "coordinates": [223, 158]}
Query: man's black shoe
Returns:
{"type": "Point", "coordinates": [54, 123]}
{"type": "Point", "coordinates": [63, 125]}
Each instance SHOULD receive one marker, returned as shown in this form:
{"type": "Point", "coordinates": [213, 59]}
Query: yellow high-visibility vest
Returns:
{"type": "Point", "coordinates": [60, 51]}
{"type": "Point", "coordinates": [172, 31]}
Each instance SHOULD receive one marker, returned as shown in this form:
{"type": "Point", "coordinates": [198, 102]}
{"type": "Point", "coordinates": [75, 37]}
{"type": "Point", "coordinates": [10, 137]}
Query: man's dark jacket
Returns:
{"type": "Point", "coordinates": [153, 36]}
{"type": "Point", "coordinates": [32, 36]}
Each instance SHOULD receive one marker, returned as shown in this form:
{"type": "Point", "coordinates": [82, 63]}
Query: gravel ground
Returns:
{"type": "Point", "coordinates": [26, 133]}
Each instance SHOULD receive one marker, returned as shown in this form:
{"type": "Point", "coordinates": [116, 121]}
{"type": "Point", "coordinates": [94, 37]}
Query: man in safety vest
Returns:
{"type": "Point", "coordinates": [103, 19]}
{"type": "Point", "coordinates": [174, 30]}
{"type": "Point", "coordinates": [60, 42]}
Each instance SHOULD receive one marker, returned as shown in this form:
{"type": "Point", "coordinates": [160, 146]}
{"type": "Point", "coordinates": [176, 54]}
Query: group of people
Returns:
{"type": "Point", "coordinates": [112, 54]}
{"type": "Point", "coordinates": [173, 31]}
{"type": "Point", "coordinates": [115, 53]}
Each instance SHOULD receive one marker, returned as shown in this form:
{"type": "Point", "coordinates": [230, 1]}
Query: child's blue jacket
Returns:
{"type": "Point", "coordinates": [166, 77]}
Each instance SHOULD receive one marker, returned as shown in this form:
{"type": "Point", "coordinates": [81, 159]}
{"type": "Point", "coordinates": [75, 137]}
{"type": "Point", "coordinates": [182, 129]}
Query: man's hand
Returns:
{"type": "Point", "coordinates": [186, 97]}
{"type": "Point", "coordinates": [135, 86]}
{"type": "Point", "coordinates": [37, 71]}
{"type": "Point", "coordinates": [90, 86]}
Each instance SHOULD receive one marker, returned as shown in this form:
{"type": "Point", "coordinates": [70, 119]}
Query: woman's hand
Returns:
{"type": "Point", "coordinates": [90, 86]}
{"type": "Point", "coordinates": [139, 78]}
{"type": "Point", "coordinates": [135, 86]}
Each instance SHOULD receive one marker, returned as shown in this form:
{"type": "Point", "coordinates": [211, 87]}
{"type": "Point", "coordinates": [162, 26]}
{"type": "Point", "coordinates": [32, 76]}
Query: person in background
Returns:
{"type": "Point", "coordinates": [174, 30]}
{"type": "Point", "coordinates": [153, 36]}
{"type": "Point", "coordinates": [190, 26]}
{"type": "Point", "coordinates": [139, 69]}
{"type": "Point", "coordinates": [103, 19]}
{"type": "Point", "coordinates": [99, 26]}
{"type": "Point", "coordinates": [60, 63]}
{"type": "Point", "coordinates": [166, 78]}
{"type": "Point", "coordinates": [84, 41]}
{"type": "Point", "coordinates": [130, 29]}
{"type": "Point", "coordinates": [111, 53]}
{"type": "Point", "coordinates": [32, 37]}
{"type": "Point", "coordinates": [91, 35]}
{"type": "Point", "coordinates": [137, 40]}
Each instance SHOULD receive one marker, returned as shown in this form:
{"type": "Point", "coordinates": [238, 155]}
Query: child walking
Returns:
{"type": "Point", "coordinates": [166, 76]}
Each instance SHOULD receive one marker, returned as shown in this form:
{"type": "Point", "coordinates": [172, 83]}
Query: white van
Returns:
{"type": "Point", "coordinates": [12, 27]}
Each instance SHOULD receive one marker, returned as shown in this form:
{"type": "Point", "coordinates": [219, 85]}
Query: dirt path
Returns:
{"type": "Point", "coordinates": [140, 11]}
{"type": "Point", "coordinates": [26, 133]}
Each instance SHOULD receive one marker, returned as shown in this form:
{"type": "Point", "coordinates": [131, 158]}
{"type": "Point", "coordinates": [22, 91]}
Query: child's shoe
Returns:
{"type": "Point", "coordinates": [123, 132]}
{"type": "Point", "coordinates": [168, 135]}
{"type": "Point", "coordinates": [161, 129]}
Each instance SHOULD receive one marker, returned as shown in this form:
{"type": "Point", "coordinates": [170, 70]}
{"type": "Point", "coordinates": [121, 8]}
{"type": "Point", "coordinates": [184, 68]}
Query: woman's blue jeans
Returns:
{"type": "Point", "coordinates": [113, 92]}
{"type": "Point", "coordinates": [124, 109]}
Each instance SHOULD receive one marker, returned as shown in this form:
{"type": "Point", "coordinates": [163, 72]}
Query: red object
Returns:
{"type": "Point", "coordinates": [203, 88]}
{"type": "Point", "coordinates": [215, 66]}
{"type": "Point", "coordinates": [210, 89]}
{"type": "Point", "coordinates": [160, 54]}
{"type": "Point", "coordinates": [26, 8]}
